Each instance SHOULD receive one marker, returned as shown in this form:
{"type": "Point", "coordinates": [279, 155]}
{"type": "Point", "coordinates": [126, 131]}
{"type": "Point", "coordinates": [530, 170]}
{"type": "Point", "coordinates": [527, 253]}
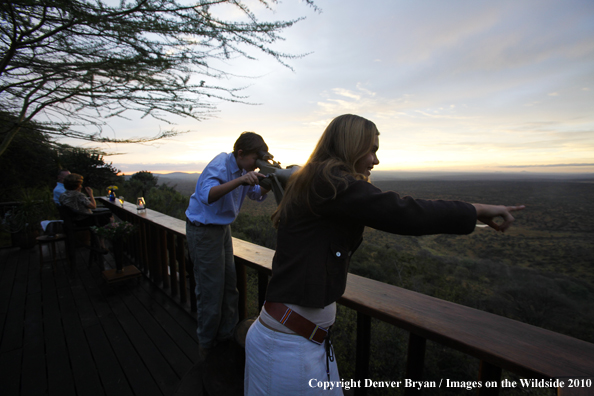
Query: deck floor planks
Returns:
{"type": "Point", "coordinates": [179, 325]}
{"type": "Point", "coordinates": [185, 342]}
{"type": "Point", "coordinates": [65, 333]}
{"type": "Point", "coordinates": [106, 362]}
{"type": "Point", "coordinates": [12, 337]}
{"type": "Point", "coordinates": [83, 367]}
{"type": "Point", "coordinates": [131, 366]}
{"type": "Point", "coordinates": [137, 374]}
{"type": "Point", "coordinates": [158, 367]}
{"type": "Point", "coordinates": [185, 320]}
{"type": "Point", "coordinates": [10, 372]}
{"type": "Point", "coordinates": [145, 325]}
{"type": "Point", "coordinates": [34, 347]}
{"type": "Point", "coordinates": [10, 356]}
{"type": "Point", "coordinates": [176, 358]}
{"type": "Point", "coordinates": [113, 380]}
{"type": "Point", "coordinates": [59, 374]}
{"type": "Point", "coordinates": [162, 331]}
{"type": "Point", "coordinates": [116, 296]}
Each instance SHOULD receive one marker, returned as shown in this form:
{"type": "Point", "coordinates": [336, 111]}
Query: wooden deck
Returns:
{"type": "Point", "coordinates": [70, 333]}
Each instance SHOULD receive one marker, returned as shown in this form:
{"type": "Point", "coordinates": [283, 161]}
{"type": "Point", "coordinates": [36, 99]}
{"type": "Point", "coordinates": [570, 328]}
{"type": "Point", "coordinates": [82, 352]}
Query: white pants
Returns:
{"type": "Point", "coordinates": [285, 364]}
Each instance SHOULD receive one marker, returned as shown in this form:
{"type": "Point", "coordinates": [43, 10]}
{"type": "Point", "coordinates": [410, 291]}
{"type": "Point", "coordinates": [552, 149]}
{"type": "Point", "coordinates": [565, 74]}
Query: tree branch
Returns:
{"type": "Point", "coordinates": [68, 58]}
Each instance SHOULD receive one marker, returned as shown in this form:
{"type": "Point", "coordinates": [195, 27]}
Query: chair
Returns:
{"type": "Point", "coordinates": [71, 229]}
{"type": "Point", "coordinates": [51, 241]}
{"type": "Point", "coordinates": [53, 231]}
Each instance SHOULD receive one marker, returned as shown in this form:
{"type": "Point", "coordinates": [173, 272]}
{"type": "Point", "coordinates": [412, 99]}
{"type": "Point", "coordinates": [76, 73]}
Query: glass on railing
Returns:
{"type": "Point", "coordinates": [140, 205]}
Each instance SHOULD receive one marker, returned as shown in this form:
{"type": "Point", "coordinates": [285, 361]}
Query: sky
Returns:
{"type": "Point", "coordinates": [457, 85]}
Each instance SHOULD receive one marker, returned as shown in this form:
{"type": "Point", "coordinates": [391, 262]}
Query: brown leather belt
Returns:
{"type": "Point", "coordinates": [293, 321]}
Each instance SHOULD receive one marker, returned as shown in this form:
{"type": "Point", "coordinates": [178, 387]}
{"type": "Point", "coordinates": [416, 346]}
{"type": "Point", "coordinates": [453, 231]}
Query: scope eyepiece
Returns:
{"type": "Point", "coordinates": [265, 155]}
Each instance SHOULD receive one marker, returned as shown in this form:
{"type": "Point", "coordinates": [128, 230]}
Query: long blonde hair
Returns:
{"type": "Point", "coordinates": [346, 140]}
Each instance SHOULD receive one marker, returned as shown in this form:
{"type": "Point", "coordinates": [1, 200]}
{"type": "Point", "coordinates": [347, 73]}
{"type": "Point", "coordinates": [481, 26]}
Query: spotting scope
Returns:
{"type": "Point", "coordinates": [276, 177]}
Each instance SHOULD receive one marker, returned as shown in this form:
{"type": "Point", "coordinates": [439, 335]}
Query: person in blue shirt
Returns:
{"type": "Point", "coordinates": [60, 189]}
{"type": "Point", "coordinates": [220, 191]}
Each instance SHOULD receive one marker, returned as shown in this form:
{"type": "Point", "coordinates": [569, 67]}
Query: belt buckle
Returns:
{"type": "Point", "coordinates": [314, 332]}
{"type": "Point", "coordinates": [192, 222]}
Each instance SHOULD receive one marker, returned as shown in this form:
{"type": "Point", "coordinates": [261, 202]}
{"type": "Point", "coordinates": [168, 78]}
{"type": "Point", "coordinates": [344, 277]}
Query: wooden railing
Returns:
{"type": "Point", "coordinates": [499, 343]}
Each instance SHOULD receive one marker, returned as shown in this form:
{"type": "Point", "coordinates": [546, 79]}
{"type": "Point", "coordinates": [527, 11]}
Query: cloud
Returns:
{"type": "Point", "coordinates": [548, 166]}
{"type": "Point", "coordinates": [362, 101]}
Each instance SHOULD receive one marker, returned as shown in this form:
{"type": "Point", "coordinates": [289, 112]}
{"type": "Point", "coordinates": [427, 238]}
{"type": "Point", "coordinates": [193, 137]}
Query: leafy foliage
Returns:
{"type": "Point", "coordinates": [255, 229]}
{"type": "Point", "coordinates": [34, 206]}
{"type": "Point", "coordinates": [165, 199]}
{"type": "Point", "coordinates": [29, 163]}
{"type": "Point", "coordinates": [35, 158]}
{"type": "Point", "coordinates": [162, 198]}
{"type": "Point", "coordinates": [90, 164]}
{"type": "Point", "coordinates": [115, 230]}
{"type": "Point", "coordinates": [142, 182]}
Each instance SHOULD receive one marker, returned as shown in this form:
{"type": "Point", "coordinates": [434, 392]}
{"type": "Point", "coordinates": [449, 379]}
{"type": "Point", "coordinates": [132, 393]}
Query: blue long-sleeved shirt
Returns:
{"type": "Point", "coordinates": [221, 169]}
{"type": "Point", "coordinates": [58, 190]}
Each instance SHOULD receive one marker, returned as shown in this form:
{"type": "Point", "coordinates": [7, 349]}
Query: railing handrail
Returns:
{"type": "Point", "coordinates": [497, 341]}
{"type": "Point", "coordinates": [512, 345]}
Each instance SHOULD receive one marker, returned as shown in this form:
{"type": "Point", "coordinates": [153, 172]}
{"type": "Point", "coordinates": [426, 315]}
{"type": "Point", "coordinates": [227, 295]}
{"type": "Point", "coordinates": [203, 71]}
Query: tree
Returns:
{"type": "Point", "coordinates": [34, 159]}
{"type": "Point", "coordinates": [142, 182]}
{"type": "Point", "coordinates": [28, 163]}
{"type": "Point", "coordinates": [71, 64]}
{"type": "Point", "coordinates": [88, 163]}
{"type": "Point", "coordinates": [167, 200]}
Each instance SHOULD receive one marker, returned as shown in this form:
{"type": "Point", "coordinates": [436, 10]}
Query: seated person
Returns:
{"type": "Point", "coordinates": [60, 189]}
{"type": "Point", "coordinates": [80, 204]}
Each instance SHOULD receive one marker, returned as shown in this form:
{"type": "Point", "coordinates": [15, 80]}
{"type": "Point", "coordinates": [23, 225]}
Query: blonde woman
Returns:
{"type": "Point", "coordinates": [320, 223]}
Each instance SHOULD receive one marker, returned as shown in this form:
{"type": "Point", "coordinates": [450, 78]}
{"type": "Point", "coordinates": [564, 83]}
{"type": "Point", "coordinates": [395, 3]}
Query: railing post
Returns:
{"type": "Point", "coordinates": [165, 276]}
{"type": "Point", "coordinates": [193, 303]}
{"type": "Point", "coordinates": [489, 373]}
{"type": "Point", "coordinates": [181, 267]}
{"type": "Point", "coordinates": [155, 258]}
{"type": "Point", "coordinates": [242, 288]}
{"type": "Point", "coordinates": [150, 258]}
{"type": "Point", "coordinates": [143, 247]}
{"type": "Point", "coordinates": [173, 273]}
{"type": "Point", "coordinates": [363, 351]}
{"type": "Point", "coordinates": [415, 361]}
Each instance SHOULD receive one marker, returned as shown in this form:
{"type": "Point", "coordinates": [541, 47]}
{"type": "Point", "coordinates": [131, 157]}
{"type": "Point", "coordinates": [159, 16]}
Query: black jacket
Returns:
{"type": "Point", "coordinates": [313, 250]}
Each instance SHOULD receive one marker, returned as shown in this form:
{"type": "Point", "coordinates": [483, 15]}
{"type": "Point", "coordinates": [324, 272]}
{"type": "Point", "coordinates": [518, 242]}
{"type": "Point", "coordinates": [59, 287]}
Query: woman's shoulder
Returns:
{"type": "Point", "coordinates": [68, 194]}
{"type": "Point", "coordinates": [336, 182]}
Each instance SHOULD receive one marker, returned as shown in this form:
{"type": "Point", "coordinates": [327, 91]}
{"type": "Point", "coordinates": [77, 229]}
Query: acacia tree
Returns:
{"type": "Point", "coordinates": [71, 64]}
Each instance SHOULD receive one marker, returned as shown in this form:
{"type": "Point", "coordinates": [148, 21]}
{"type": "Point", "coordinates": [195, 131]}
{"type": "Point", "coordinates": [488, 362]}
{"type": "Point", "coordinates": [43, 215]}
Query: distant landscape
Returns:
{"type": "Point", "coordinates": [555, 233]}
{"type": "Point", "coordinates": [186, 182]}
